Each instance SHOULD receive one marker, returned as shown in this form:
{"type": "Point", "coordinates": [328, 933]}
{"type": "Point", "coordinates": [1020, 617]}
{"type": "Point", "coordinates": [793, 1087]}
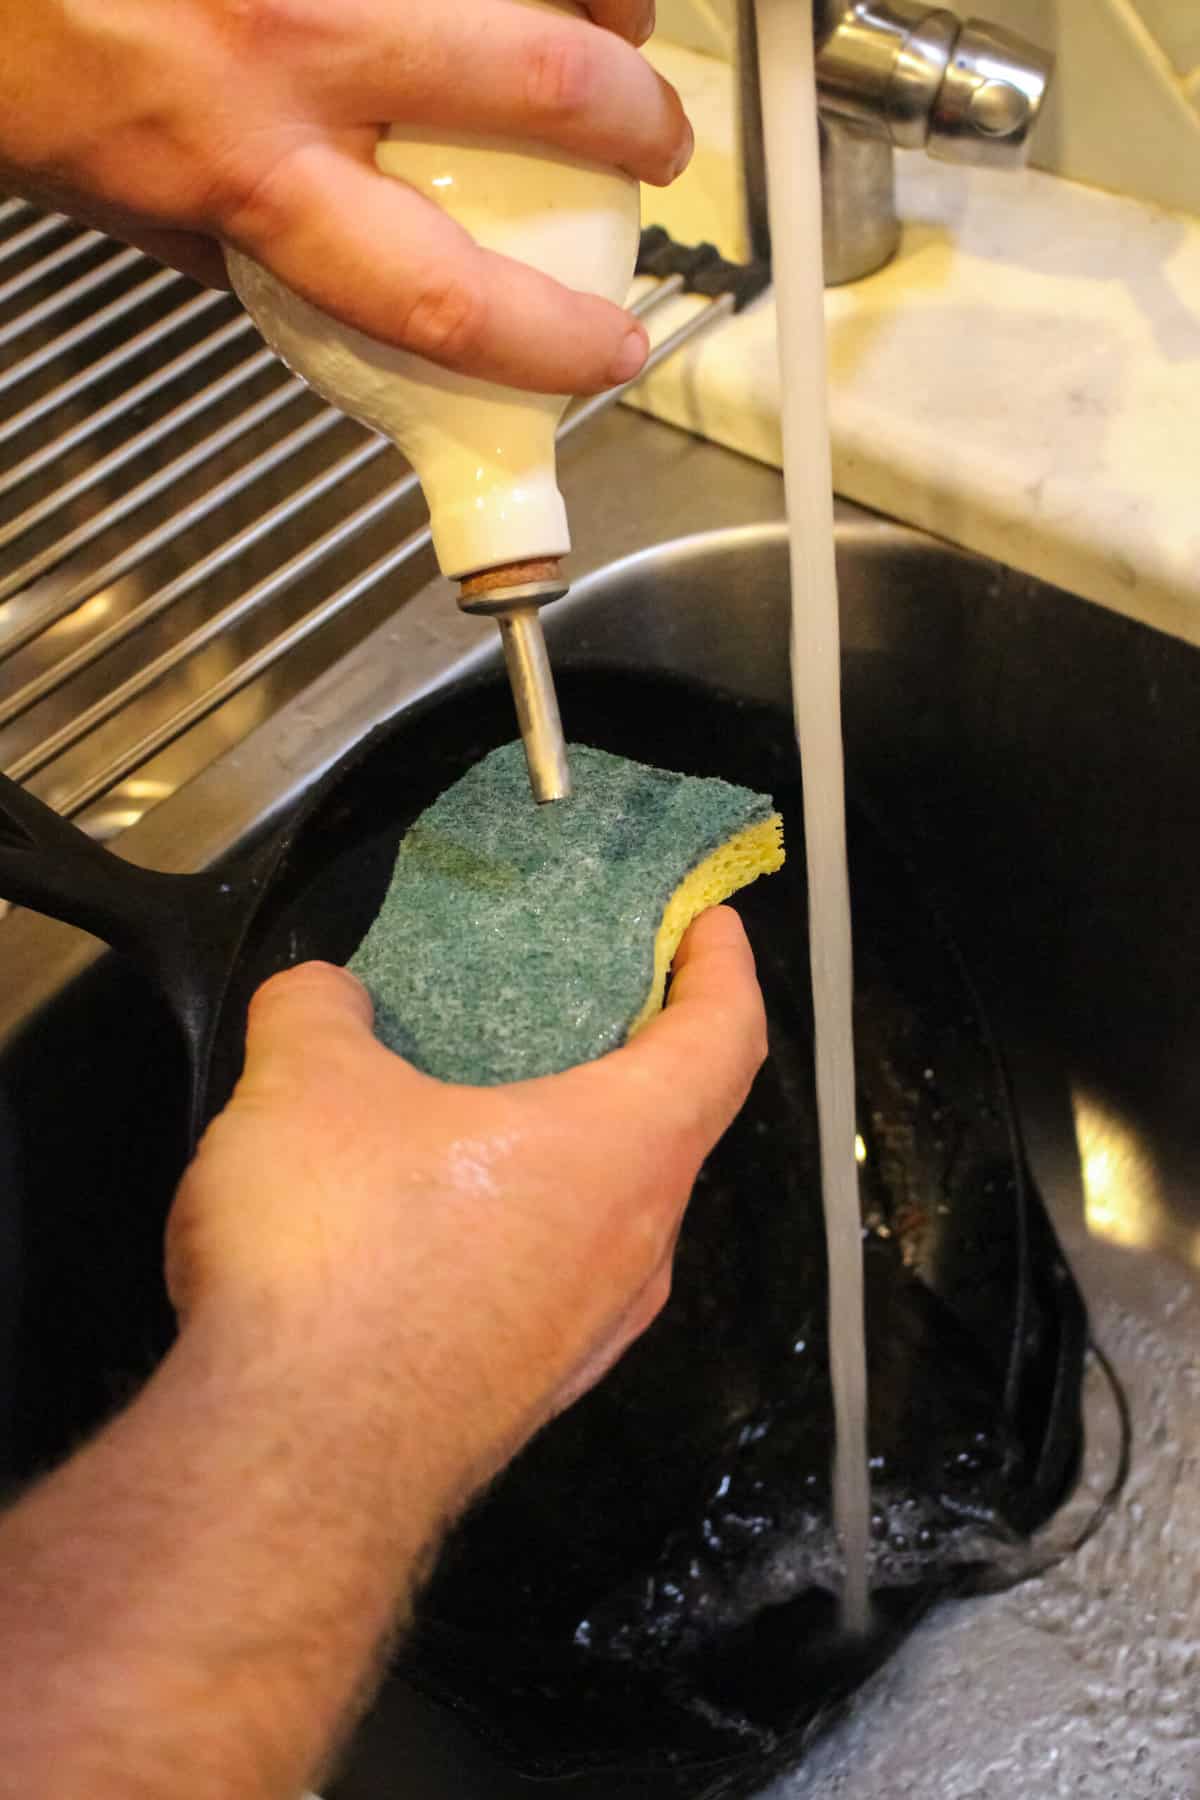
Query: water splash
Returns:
{"type": "Point", "coordinates": [1085, 1681]}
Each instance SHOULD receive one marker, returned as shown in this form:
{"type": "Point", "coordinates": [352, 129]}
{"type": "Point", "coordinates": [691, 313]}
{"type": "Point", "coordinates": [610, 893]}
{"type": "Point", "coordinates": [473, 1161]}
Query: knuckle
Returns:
{"type": "Point", "coordinates": [672, 1119]}
{"type": "Point", "coordinates": [659, 1292]}
{"type": "Point", "coordinates": [306, 978]}
{"type": "Point", "coordinates": [260, 22]}
{"type": "Point", "coordinates": [684, 1125]}
{"type": "Point", "coordinates": [183, 1250]}
{"type": "Point", "coordinates": [274, 988]}
{"type": "Point", "coordinates": [758, 1044]}
{"type": "Point", "coordinates": [446, 320]}
{"type": "Point", "coordinates": [137, 173]}
{"type": "Point", "coordinates": [632, 19]}
{"type": "Point", "coordinates": [674, 138]}
{"type": "Point", "coordinates": [648, 1230]}
{"type": "Point", "coordinates": [249, 196]}
{"type": "Point", "coordinates": [314, 977]}
{"type": "Point", "coordinates": [292, 34]}
{"type": "Point", "coordinates": [560, 75]}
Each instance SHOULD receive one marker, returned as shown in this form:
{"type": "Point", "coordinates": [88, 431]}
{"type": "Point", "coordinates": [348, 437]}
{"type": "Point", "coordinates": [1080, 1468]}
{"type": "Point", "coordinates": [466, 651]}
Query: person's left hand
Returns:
{"type": "Point", "coordinates": [484, 1253]}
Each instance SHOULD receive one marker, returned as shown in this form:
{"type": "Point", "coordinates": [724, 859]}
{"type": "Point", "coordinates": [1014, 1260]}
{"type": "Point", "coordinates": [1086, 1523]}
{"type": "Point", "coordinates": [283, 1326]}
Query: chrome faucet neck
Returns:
{"type": "Point", "coordinates": [893, 74]}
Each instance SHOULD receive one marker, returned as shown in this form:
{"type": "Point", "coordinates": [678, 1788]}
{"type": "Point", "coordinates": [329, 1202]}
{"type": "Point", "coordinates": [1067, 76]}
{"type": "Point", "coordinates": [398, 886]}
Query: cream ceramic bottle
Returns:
{"type": "Point", "coordinates": [484, 453]}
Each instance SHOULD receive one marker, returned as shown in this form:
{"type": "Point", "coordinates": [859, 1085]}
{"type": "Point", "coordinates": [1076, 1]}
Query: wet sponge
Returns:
{"type": "Point", "coordinates": [517, 940]}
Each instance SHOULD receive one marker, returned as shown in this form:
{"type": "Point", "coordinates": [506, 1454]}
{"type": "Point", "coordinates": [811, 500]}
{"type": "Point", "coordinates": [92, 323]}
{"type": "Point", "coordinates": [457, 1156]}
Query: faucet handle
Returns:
{"type": "Point", "coordinates": [989, 99]}
{"type": "Point", "coordinates": [916, 74]}
{"type": "Point", "coordinates": [902, 74]}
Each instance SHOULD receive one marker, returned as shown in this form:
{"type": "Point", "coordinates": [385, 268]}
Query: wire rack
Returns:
{"type": "Point", "coordinates": [188, 535]}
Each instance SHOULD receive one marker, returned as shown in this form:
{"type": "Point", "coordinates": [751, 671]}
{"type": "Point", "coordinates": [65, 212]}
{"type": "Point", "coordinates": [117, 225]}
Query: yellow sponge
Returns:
{"type": "Point", "coordinates": [758, 850]}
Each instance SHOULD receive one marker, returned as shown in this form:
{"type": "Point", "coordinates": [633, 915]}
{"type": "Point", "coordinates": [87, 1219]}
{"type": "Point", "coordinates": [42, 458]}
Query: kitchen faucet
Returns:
{"type": "Point", "coordinates": [893, 74]}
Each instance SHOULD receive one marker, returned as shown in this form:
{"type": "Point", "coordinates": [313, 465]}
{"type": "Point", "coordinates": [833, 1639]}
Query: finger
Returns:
{"type": "Point", "coordinates": [699, 1057]}
{"type": "Point", "coordinates": [303, 1016]}
{"type": "Point", "coordinates": [480, 66]}
{"type": "Point", "coordinates": [632, 19]}
{"type": "Point", "coordinates": [376, 254]}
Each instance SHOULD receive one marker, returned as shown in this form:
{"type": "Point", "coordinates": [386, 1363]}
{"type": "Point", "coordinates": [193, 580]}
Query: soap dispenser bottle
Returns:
{"type": "Point", "coordinates": [484, 453]}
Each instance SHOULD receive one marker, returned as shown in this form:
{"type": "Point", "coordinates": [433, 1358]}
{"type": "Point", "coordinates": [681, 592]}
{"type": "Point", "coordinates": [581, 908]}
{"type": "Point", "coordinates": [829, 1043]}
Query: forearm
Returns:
{"type": "Point", "coordinates": [389, 1283]}
{"type": "Point", "coordinates": [196, 1603]}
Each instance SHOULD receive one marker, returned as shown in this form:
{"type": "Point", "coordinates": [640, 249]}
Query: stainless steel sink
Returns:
{"type": "Point", "coordinates": [1040, 759]}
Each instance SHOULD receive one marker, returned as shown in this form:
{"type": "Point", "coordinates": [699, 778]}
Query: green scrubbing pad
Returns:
{"type": "Point", "coordinates": [517, 940]}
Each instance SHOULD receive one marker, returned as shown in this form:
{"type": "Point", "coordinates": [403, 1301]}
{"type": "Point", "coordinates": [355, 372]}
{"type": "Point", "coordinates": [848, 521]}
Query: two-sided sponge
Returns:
{"type": "Point", "coordinates": [517, 941]}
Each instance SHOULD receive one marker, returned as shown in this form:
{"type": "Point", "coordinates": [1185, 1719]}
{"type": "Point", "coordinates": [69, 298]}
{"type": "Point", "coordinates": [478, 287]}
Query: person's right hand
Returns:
{"type": "Point", "coordinates": [476, 1256]}
{"type": "Point", "coordinates": [178, 123]}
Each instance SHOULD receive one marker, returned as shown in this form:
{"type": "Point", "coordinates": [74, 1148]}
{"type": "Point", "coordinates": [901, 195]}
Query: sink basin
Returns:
{"type": "Point", "coordinates": [1040, 760]}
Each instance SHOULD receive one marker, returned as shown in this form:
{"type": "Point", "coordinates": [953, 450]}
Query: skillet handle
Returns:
{"type": "Point", "coordinates": [50, 865]}
{"type": "Point", "coordinates": [184, 930]}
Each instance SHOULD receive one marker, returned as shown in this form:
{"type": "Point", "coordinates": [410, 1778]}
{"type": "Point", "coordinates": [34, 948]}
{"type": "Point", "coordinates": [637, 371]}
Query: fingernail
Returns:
{"type": "Point", "coordinates": [645, 30]}
{"type": "Point", "coordinates": [635, 347]}
{"type": "Point", "coordinates": [686, 154]}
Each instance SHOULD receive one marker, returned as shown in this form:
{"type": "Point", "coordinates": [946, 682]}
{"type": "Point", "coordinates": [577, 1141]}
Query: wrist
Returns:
{"type": "Point", "coordinates": [320, 1380]}
{"type": "Point", "coordinates": [238, 1544]}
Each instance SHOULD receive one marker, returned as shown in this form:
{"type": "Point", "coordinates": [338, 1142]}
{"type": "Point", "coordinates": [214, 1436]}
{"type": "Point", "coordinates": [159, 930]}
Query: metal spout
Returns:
{"type": "Point", "coordinates": [513, 596]}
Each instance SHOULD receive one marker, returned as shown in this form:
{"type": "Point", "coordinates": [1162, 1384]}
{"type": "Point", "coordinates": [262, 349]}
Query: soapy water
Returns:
{"type": "Point", "coordinates": [1085, 1680]}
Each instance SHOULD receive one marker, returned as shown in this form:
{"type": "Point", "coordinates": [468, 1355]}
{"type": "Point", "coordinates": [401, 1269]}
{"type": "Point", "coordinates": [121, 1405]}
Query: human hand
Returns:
{"type": "Point", "coordinates": [482, 1254]}
{"type": "Point", "coordinates": [255, 122]}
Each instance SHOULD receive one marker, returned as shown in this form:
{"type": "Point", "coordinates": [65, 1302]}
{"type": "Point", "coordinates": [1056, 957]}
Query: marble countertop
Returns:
{"type": "Point", "coordinates": [1023, 379]}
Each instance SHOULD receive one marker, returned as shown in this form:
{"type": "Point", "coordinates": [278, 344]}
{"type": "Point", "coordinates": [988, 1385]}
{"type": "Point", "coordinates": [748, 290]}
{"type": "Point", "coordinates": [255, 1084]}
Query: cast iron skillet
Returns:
{"type": "Point", "coordinates": [650, 1586]}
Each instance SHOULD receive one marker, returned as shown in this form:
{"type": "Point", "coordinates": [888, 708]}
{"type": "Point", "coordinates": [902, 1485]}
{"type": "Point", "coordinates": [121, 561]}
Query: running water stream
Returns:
{"type": "Point", "coordinates": [785, 48]}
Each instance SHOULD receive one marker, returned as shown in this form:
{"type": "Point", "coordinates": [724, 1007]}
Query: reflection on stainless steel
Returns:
{"type": "Point", "coordinates": [152, 288]}
{"type": "Point", "coordinates": [65, 297]}
{"type": "Point", "coordinates": [125, 351]}
{"type": "Point", "coordinates": [96, 421]}
{"type": "Point", "coordinates": [123, 806]}
{"type": "Point", "coordinates": [143, 441]}
{"type": "Point", "coordinates": [34, 229]}
{"type": "Point", "coordinates": [117, 511]}
{"type": "Point", "coordinates": [895, 74]}
{"type": "Point", "coordinates": [920, 78]}
{"type": "Point", "coordinates": [134, 554]}
{"type": "Point", "coordinates": [1125, 1200]}
{"type": "Point", "coordinates": [145, 611]}
{"type": "Point", "coordinates": [74, 250]}
{"type": "Point", "coordinates": [215, 626]}
{"type": "Point", "coordinates": [216, 693]}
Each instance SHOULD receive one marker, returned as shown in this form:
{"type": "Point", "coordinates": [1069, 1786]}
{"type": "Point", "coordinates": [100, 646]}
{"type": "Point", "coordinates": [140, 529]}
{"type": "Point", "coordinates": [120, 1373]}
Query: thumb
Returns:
{"type": "Point", "coordinates": [692, 1066]}
{"type": "Point", "coordinates": [303, 1020]}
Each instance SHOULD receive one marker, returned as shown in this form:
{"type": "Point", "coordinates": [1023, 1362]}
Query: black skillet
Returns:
{"type": "Point", "coordinates": [559, 1621]}
{"type": "Point", "coordinates": [187, 931]}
